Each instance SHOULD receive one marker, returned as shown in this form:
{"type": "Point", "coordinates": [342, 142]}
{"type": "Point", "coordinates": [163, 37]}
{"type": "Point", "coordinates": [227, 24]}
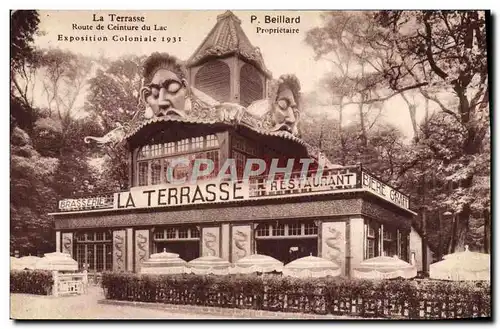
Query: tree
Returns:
{"type": "Point", "coordinates": [444, 53]}
{"type": "Point", "coordinates": [23, 63]}
{"type": "Point", "coordinates": [113, 97]}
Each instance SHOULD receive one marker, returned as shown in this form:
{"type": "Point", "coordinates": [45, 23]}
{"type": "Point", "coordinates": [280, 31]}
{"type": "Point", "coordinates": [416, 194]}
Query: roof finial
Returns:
{"type": "Point", "coordinates": [228, 14]}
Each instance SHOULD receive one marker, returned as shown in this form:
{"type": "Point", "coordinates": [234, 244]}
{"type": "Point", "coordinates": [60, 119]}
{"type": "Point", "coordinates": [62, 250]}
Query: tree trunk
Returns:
{"type": "Point", "coordinates": [486, 215]}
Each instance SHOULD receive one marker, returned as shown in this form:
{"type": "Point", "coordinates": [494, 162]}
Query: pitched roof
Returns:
{"type": "Point", "coordinates": [226, 38]}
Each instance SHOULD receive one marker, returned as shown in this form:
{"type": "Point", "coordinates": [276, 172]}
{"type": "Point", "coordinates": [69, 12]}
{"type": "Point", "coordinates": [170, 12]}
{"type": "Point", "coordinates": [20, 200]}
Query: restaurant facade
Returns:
{"type": "Point", "coordinates": [217, 167]}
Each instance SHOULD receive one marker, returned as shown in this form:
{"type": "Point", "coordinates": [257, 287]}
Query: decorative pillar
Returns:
{"type": "Point", "coordinates": [141, 248]}
{"type": "Point", "coordinates": [130, 249]}
{"type": "Point", "coordinates": [210, 238]}
{"type": "Point", "coordinates": [356, 242]}
{"type": "Point", "coordinates": [119, 251]}
{"type": "Point", "coordinates": [398, 242]}
{"type": "Point", "coordinates": [58, 241]}
{"type": "Point", "coordinates": [241, 242]}
{"type": "Point", "coordinates": [381, 241]}
{"type": "Point", "coordinates": [67, 243]}
{"type": "Point", "coordinates": [225, 241]}
{"type": "Point", "coordinates": [333, 241]}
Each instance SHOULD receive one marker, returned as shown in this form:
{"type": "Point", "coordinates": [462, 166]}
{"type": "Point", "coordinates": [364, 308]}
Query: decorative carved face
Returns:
{"type": "Point", "coordinates": [166, 94]}
{"type": "Point", "coordinates": [284, 112]}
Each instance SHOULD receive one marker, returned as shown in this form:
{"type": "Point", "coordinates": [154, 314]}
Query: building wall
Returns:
{"type": "Point", "coordinates": [416, 248]}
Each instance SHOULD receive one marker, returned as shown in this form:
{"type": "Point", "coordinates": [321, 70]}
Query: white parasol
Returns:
{"type": "Point", "coordinates": [384, 267]}
{"type": "Point", "coordinates": [163, 263]}
{"type": "Point", "coordinates": [465, 265]}
{"type": "Point", "coordinates": [311, 267]}
{"type": "Point", "coordinates": [26, 262]}
{"type": "Point", "coordinates": [57, 261]}
{"type": "Point", "coordinates": [208, 265]}
{"type": "Point", "coordinates": [257, 263]}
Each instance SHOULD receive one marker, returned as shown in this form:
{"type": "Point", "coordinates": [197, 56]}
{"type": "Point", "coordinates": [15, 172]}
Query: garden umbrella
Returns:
{"type": "Point", "coordinates": [257, 263]}
{"type": "Point", "coordinates": [384, 267]}
{"type": "Point", "coordinates": [27, 262]}
{"type": "Point", "coordinates": [14, 263]}
{"type": "Point", "coordinates": [163, 263]}
{"type": "Point", "coordinates": [57, 261]}
{"type": "Point", "coordinates": [208, 265]}
{"type": "Point", "coordinates": [465, 265]}
{"type": "Point", "coordinates": [311, 267]}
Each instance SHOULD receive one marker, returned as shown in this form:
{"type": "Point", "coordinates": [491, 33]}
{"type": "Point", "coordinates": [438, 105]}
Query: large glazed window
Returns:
{"type": "Point", "coordinates": [94, 249]}
{"type": "Point", "coordinates": [251, 88]}
{"type": "Point", "coordinates": [155, 161]}
{"type": "Point", "coordinates": [214, 80]}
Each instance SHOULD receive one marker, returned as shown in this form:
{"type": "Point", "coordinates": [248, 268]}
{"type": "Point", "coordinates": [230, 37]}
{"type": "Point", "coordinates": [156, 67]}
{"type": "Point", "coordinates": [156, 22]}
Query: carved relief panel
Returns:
{"type": "Point", "coordinates": [210, 243]}
{"type": "Point", "coordinates": [67, 243]}
{"type": "Point", "coordinates": [241, 242]}
{"type": "Point", "coordinates": [141, 248]}
{"type": "Point", "coordinates": [333, 239]}
{"type": "Point", "coordinates": [119, 251]}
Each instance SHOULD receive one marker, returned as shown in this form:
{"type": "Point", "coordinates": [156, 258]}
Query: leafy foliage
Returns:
{"type": "Point", "coordinates": [31, 282]}
{"type": "Point", "coordinates": [384, 298]}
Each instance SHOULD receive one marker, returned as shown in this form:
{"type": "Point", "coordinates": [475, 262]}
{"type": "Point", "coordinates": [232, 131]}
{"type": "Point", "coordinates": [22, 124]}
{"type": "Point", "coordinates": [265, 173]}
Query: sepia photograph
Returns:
{"type": "Point", "coordinates": [228, 164]}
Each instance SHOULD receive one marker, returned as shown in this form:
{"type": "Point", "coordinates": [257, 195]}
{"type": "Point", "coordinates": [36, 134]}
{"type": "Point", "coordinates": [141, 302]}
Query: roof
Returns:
{"type": "Point", "coordinates": [226, 38]}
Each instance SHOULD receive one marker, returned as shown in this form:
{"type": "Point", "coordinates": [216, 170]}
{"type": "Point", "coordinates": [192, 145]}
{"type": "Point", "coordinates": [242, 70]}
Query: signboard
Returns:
{"type": "Point", "coordinates": [325, 182]}
{"type": "Point", "coordinates": [177, 195]}
{"type": "Point", "coordinates": [375, 186]}
{"type": "Point", "coordinates": [99, 202]}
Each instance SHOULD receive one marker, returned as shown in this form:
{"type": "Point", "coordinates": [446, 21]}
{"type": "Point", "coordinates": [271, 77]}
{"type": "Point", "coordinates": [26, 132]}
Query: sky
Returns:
{"type": "Point", "coordinates": [283, 53]}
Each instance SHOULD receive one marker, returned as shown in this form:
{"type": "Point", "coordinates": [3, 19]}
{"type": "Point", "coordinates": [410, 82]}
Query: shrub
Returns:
{"type": "Point", "coordinates": [31, 282]}
{"type": "Point", "coordinates": [400, 298]}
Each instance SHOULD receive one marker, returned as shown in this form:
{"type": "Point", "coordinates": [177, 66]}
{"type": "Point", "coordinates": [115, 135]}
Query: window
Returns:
{"type": "Point", "coordinates": [183, 145]}
{"type": "Point", "coordinates": [214, 79]}
{"type": "Point", "coordinates": [390, 242]}
{"type": "Point", "coordinates": [371, 237]}
{"type": "Point", "coordinates": [371, 248]}
{"type": "Point", "coordinates": [170, 148]}
{"type": "Point", "coordinates": [279, 230]}
{"type": "Point", "coordinates": [240, 160]}
{"type": "Point", "coordinates": [196, 143]}
{"type": "Point", "coordinates": [183, 233]}
{"type": "Point", "coordinates": [177, 233]}
{"type": "Point", "coordinates": [251, 86]}
{"type": "Point", "coordinates": [155, 158]}
{"type": "Point", "coordinates": [159, 235]}
{"type": "Point", "coordinates": [156, 150]}
{"type": "Point", "coordinates": [94, 249]}
{"type": "Point", "coordinates": [171, 233]}
{"type": "Point", "coordinates": [262, 230]}
{"type": "Point", "coordinates": [294, 229]}
{"type": "Point", "coordinates": [143, 173]}
{"type": "Point", "coordinates": [156, 171]}
{"type": "Point", "coordinates": [310, 229]}
{"type": "Point", "coordinates": [212, 141]}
